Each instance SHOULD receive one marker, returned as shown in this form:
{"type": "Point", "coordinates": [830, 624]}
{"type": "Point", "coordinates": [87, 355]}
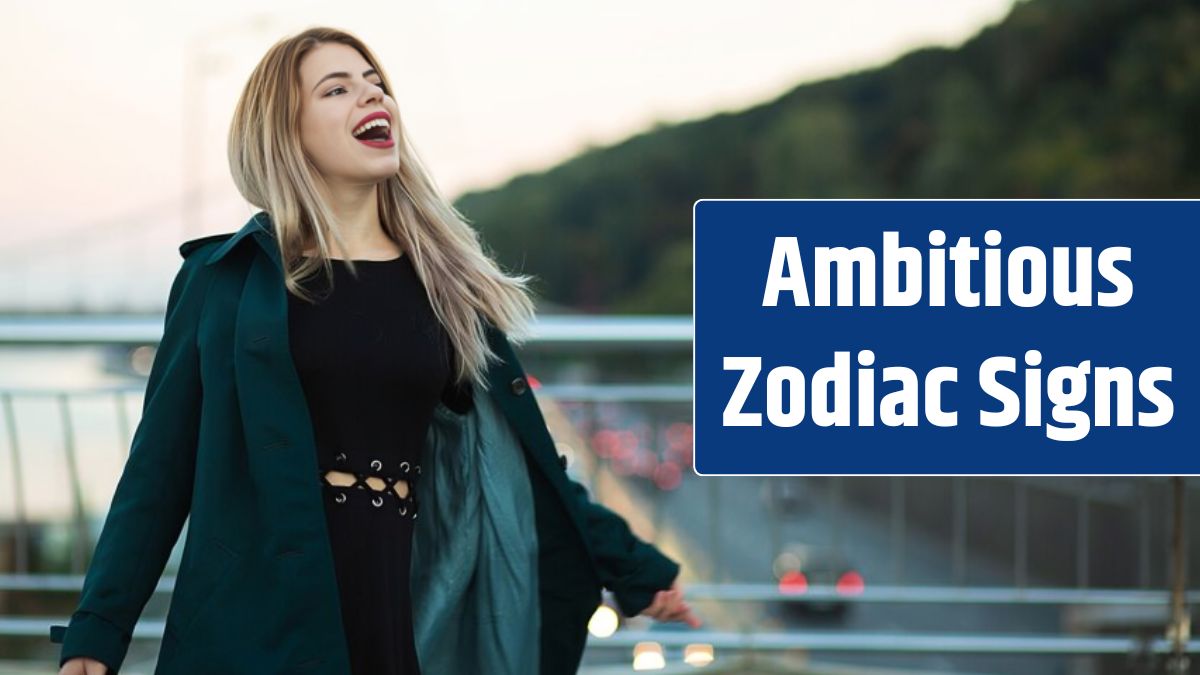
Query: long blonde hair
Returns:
{"type": "Point", "coordinates": [464, 284]}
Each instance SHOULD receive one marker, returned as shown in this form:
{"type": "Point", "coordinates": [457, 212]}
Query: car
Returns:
{"type": "Point", "coordinates": [823, 575]}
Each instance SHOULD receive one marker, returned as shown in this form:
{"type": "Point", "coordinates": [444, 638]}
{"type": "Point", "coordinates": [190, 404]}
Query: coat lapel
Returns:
{"type": "Point", "coordinates": [276, 424]}
{"type": "Point", "coordinates": [278, 432]}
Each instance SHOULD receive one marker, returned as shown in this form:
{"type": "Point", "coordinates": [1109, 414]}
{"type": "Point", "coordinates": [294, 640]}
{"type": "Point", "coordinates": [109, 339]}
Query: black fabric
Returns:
{"type": "Point", "coordinates": [374, 363]}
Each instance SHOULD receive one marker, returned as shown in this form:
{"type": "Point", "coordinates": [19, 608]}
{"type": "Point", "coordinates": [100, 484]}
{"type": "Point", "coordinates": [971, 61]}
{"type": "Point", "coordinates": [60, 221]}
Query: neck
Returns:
{"type": "Point", "coordinates": [356, 208]}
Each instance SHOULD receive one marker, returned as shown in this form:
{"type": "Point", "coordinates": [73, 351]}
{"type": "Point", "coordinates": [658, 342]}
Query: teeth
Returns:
{"type": "Point", "coordinates": [377, 122]}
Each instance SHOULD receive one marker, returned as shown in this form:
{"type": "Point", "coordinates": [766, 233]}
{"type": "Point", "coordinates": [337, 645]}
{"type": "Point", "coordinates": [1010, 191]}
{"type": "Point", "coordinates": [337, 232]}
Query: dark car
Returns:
{"type": "Point", "coordinates": [822, 576]}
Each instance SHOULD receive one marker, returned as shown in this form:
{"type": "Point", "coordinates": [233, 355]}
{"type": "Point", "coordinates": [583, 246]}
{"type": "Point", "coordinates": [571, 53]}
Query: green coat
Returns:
{"type": "Point", "coordinates": [225, 436]}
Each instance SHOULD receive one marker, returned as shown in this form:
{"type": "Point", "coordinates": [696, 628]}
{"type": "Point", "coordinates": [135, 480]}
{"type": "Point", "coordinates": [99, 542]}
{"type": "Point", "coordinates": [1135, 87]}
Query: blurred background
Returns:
{"type": "Point", "coordinates": [576, 136]}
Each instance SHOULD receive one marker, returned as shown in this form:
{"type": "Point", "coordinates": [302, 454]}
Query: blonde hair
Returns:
{"type": "Point", "coordinates": [466, 288]}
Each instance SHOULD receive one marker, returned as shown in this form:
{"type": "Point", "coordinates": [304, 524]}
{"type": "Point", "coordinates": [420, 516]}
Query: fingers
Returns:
{"type": "Point", "coordinates": [665, 603]}
{"type": "Point", "coordinates": [654, 610]}
{"type": "Point", "coordinates": [669, 605]}
{"type": "Point", "coordinates": [686, 615]}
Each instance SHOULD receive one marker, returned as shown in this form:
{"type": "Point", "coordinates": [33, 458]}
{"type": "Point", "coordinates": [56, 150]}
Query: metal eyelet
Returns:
{"type": "Point", "coordinates": [341, 497]}
{"type": "Point", "coordinates": [341, 457]}
{"type": "Point", "coordinates": [418, 469]}
{"type": "Point", "coordinates": [376, 464]}
{"type": "Point", "coordinates": [403, 510]}
{"type": "Point", "coordinates": [404, 467]}
{"type": "Point", "coordinates": [377, 501]}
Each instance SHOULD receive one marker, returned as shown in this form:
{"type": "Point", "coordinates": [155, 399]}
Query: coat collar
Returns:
{"type": "Point", "coordinates": [262, 228]}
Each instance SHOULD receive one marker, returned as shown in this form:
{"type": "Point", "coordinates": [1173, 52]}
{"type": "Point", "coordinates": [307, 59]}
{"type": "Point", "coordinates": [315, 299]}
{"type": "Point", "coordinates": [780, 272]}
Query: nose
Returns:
{"type": "Point", "coordinates": [374, 93]}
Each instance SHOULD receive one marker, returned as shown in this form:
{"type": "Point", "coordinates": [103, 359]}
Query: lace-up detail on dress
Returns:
{"type": "Point", "coordinates": [396, 491]}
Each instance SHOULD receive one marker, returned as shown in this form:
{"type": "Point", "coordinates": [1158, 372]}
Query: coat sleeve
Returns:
{"type": "Point", "coordinates": [153, 495]}
{"type": "Point", "coordinates": [632, 569]}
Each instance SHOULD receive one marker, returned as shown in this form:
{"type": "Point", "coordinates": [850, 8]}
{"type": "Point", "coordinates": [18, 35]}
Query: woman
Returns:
{"type": "Point", "coordinates": [348, 348]}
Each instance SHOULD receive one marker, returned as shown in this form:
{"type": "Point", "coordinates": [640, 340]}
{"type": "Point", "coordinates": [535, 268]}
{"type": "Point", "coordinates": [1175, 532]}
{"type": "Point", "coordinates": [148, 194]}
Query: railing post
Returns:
{"type": "Point", "coordinates": [1144, 534]}
{"type": "Point", "coordinates": [1179, 630]}
{"type": "Point", "coordinates": [14, 446]}
{"type": "Point", "coordinates": [898, 521]}
{"type": "Point", "coordinates": [835, 512]}
{"type": "Point", "coordinates": [1020, 531]}
{"type": "Point", "coordinates": [959, 536]}
{"type": "Point", "coordinates": [714, 531]}
{"type": "Point", "coordinates": [1082, 532]}
{"type": "Point", "coordinates": [82, 541]}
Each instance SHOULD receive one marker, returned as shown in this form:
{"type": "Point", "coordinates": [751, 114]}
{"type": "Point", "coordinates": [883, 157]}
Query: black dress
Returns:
{"type": "Point", "coordinates": [374, 363]}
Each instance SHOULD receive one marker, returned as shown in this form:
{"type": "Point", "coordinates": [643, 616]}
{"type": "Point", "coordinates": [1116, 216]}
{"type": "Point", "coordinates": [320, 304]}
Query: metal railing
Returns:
{"type": "Point", "coordinates": [900, 511]}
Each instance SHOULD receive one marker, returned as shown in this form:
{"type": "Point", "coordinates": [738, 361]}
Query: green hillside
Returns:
{"type": "Point", "coordinates": [1063, 98]}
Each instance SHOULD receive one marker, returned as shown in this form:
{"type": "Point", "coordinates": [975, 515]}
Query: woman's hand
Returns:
{"type": "Point", "coordinates": [83, 666]}
{"type": "Point", "coordinates": [668, 605]}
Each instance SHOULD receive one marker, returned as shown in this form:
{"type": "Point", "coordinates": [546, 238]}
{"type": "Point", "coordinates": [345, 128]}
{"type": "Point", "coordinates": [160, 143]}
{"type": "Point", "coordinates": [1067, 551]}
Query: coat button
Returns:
{"type": "Point", "coordinates": [519, 385]}
{"type": "Point", "coordinates": [562, 459]}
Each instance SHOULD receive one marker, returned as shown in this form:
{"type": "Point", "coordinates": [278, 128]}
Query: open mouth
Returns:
{"type": "Point", "coordinates": [376, 133]}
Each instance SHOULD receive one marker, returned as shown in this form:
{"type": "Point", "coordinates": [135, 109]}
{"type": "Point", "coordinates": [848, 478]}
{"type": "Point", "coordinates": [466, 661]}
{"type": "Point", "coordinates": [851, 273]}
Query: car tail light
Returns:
{"type": "Point", "coordinates": [793, 582]}
{"type": "Point", "coordinates": [850, 583]}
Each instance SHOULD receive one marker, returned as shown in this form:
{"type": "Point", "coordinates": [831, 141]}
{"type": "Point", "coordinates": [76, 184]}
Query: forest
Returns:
{"type": "Point", "coordinates": [1060, 99]}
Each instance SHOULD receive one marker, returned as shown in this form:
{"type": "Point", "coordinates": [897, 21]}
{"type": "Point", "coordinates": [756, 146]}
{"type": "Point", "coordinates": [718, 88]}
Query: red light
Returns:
{"type": "Point", "coordinates": [851, 583]}
{"type": "Point", "coordinates": [793, 582]}
{"type": "Point", "coordinates": [533, 381]}
{"type": "Point", "coordinates": [605, 442]}
{"type": "Point", "coordinates": [667, 476]}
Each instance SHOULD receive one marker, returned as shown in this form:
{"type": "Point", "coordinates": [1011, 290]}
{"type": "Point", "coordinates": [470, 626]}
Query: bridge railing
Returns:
{"type": "Point", "coordinates": [630, 442]}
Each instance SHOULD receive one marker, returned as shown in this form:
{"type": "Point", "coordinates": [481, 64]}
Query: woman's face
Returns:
{"type": "Point", "coordinates": [332, 107]}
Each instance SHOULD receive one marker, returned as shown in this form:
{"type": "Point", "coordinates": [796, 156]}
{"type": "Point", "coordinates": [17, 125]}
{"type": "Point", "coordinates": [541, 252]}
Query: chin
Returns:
{"type": "Point", "coordinates": [392, 171]}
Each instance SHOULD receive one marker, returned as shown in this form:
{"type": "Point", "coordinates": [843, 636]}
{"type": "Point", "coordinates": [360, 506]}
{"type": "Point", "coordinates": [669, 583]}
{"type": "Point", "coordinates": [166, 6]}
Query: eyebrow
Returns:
{"type": "Point", "coordinates": [366, 73]}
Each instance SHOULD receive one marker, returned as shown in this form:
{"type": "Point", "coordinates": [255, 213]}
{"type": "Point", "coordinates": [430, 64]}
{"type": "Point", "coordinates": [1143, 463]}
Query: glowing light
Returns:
{"type": "Point", "coordinates": [142, 359]}
{"type": "Point", "coordinates": [648, 656]}
{"type": "Point", "coordinates": [604, 622]}
{"type": "Point", "coordinates": [851, 583]}
{"type": "Point", "coordinates": [698, 655]}
{"type": "Point", "coordinates": [793, 582]}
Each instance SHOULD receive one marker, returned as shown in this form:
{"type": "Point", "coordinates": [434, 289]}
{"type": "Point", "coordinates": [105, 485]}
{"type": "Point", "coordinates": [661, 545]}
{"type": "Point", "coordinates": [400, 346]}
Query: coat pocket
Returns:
{"type": "Point", "coordinates": [198, 583]}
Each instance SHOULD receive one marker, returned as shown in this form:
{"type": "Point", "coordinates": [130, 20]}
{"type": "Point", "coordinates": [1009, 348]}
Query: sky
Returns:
{"type": "Point", "coordinates": [93, 131]}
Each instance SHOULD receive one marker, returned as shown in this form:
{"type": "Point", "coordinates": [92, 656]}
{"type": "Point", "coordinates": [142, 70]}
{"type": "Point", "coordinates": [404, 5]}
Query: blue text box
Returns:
{"type": "Point", "coordinates": [1055, 347]}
